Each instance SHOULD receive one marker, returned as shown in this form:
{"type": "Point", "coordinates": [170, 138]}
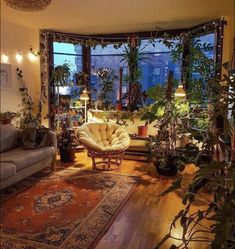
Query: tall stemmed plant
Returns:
{"type": "Point", "coordinates": [133, 55]}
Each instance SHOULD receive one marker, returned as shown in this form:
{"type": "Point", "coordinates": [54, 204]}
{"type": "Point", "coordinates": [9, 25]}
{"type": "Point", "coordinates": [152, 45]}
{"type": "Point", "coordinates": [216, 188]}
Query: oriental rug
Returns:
{"type": "Point", "coordinates": [67, 210]}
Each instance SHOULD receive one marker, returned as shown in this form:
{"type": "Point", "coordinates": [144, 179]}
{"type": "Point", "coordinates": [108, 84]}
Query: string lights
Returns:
{"type": "Point", "coordinates": [19, 57]}
{"type": "Point", "coordinates": [5, 58]}
{"type": "Point", "coordinates": [32, 55]}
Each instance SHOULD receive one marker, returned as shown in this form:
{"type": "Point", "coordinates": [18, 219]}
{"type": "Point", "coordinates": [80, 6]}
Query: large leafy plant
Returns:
{"type": "Point", "coordinates": [213, 225]}
{"type": "Point", "coordinates": [60, 74]}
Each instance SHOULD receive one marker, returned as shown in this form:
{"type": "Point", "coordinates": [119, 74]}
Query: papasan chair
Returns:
{"type": "Point", "coordinates": [105, 141]}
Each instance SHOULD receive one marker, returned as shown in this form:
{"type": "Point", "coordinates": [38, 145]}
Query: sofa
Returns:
{"type": "Point", "coordinates": [16, 162]}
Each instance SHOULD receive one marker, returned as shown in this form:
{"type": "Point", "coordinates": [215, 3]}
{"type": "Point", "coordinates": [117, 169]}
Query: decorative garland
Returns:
{"type": "Point", "coordinates": [132, 40]}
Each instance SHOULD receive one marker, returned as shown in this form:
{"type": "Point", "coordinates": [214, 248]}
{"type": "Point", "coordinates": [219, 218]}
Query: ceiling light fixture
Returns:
{"type": "Point", "coordinates": [28, 5]}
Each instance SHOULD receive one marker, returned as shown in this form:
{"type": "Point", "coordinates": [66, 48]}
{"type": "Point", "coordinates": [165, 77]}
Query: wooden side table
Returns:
{"type": "Point", "coordinates": [139, 152]}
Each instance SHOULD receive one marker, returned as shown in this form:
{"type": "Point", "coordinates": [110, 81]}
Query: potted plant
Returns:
{"type": "Point", "coordinates": [66, 143]}
{"type": "Point", "coordinates": [135, 96]}
{"type": "Point", "coordinates": [7, 117]}
{"type": "Point", "coordinates": [60, 74]}
{"type": "Point", "coordinates": [171, 117]}
{"type": "Point", "coordinates": [146, 115]}
{"type": "Point", "coordinates": [171, 120]}
{"type": "Point", "coordinates": [213, 175]}
{"type": "Point", "coordinates": [107, 77]}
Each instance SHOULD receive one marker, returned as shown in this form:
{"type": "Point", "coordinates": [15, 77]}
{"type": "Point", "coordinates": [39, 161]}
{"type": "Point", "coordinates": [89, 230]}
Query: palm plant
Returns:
{"type": "Point", "coordinates": [133, 56]}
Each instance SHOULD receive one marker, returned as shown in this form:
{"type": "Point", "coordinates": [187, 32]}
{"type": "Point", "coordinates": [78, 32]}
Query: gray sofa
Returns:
{"type": "Point", "coordinates": [17, 163]}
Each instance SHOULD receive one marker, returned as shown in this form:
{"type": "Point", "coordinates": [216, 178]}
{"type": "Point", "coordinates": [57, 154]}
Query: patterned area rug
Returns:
{"type": "Point", "coordinates": [68, 209]}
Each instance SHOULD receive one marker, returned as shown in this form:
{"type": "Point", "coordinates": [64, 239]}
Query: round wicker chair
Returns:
{"type": "Point", "coordinates": [106, 141]}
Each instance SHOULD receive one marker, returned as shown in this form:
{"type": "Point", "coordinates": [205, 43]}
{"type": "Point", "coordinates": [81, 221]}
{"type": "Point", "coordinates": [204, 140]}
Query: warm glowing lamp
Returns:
{"type": "Point", "coordinates": [179, 92]}
{"type": "Point", "coordinates": [5, 58]}
{"type": "Point", "coordinates": [84, 96]}
{"type": "Point", "coordinates": [19, 57]}
{"type": "Point", "coordinates": [32, 56]}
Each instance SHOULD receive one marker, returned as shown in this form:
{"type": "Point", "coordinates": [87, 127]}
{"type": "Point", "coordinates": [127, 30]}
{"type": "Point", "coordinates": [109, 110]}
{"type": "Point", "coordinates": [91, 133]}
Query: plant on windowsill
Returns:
{"type": "Point", "coordinates": [135, 96]}
{"type": "Point", "coordinates": [60, 74]}
{"type": "Point", "coordinates": [107, 77]}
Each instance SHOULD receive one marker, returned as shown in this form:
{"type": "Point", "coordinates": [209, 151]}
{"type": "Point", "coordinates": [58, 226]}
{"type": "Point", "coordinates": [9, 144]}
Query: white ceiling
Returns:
{"type": "Point", "coordinates": [114, 16]}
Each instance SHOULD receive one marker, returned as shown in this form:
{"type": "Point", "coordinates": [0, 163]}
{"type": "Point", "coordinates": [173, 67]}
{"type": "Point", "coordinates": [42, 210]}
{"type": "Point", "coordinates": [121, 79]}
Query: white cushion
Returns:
{"type": "Point", "coordinates": [103, 137]}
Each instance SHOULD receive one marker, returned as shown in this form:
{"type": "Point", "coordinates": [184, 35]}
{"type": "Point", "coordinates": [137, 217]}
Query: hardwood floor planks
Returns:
{"type": "Point", "coordinates": [143, 221]}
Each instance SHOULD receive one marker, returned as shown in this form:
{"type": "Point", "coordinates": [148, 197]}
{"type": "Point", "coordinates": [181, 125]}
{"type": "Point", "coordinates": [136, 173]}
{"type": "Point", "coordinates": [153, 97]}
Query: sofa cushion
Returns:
{"type": "Point", "coordinates": [24, 158]}
{"type": "Point", "coordinates": [7, 170]}
{"type": "Point", "coordinates": [8, 137]}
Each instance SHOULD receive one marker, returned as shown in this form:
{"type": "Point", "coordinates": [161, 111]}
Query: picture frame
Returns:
{"type": "Point", "coordinates": [5, 75]}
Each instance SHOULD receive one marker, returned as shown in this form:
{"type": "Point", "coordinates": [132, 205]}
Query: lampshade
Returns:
{"type": "Point", "coordinates": [28, 5]}
{"type": "Point", "coordinates": [84, 95]}
{"type": "Point", "coordinates": [179, 92]}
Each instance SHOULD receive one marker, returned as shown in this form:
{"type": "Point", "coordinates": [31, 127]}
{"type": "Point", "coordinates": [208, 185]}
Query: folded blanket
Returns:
{"type": "Point", "coordinates": [33, 138]}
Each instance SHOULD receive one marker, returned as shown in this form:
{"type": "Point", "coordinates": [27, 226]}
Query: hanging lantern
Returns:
{"type": "Point", "coordinates": [179, 92]}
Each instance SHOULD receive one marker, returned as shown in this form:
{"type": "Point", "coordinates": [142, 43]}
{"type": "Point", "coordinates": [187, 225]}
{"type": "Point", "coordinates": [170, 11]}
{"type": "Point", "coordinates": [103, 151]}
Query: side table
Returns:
{"type": "Point", "coordinates": [139, 152]}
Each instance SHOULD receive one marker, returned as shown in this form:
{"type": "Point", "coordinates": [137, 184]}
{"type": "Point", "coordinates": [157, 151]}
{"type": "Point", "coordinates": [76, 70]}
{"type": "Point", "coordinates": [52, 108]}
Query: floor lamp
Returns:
{"type": "Point", "coordinates": [84, 96]}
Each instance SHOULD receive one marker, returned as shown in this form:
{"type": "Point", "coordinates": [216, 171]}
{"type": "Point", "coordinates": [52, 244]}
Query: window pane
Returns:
{"type": "Point", "coordinates": [67, 48]}
{"type": "Point", "coordinates": [107, 57]}
{"type": "Point", "coordinates": [155, 70]}
{"type": "Point", "coordinates": [75, 62]}
{"type": "Point", "coordinates": [157, 65]}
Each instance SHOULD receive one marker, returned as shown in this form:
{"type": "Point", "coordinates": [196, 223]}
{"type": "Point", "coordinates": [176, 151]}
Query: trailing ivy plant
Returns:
{"type": "Point", "coordinates": [29, 116]}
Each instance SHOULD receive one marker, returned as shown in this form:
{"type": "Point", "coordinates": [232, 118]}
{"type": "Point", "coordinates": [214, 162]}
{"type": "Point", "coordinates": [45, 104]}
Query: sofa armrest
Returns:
{"type": "Point", "coordinates": [52, 137]}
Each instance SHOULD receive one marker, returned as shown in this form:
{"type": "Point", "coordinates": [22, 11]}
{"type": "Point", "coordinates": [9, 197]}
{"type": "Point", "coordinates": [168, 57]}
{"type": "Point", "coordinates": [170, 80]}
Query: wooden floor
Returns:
{"type": "Point", "coordinates": [143, 221]}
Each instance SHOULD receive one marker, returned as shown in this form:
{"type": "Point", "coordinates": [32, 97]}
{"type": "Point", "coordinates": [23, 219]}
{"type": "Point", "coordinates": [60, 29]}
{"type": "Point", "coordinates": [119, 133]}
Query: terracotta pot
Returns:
{"type": "Point", "coordinates": [143, 131]}
{"type": "Point", "coordinates": [119, 106]}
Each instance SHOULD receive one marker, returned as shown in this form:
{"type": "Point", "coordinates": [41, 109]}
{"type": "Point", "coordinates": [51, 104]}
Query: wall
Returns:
{"type": "Point", "coordinates": [229, 34]}
{"type": "Point", "coordinates": [15, 38]}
